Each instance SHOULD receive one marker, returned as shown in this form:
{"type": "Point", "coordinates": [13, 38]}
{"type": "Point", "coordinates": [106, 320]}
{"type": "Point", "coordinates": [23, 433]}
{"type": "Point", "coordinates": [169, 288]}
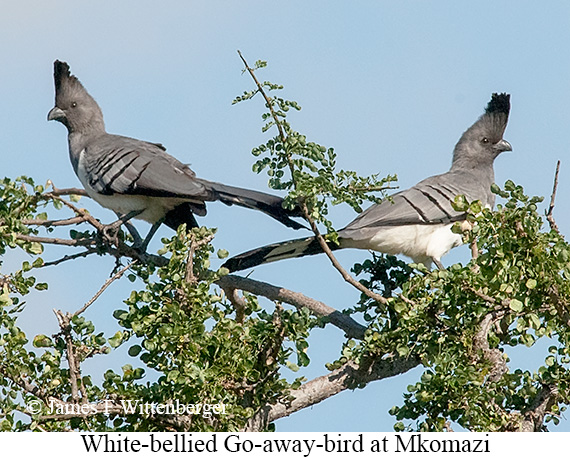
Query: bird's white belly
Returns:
{"type": "Point", "coordinates": [420, 242]}
{"type": "Point", "coordinates": [150, 210]}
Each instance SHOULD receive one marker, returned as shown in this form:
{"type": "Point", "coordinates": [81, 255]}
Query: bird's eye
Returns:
{"type": "Point", "coordinates": [485, 140]}
{"type": "Point", "coordinates": [74, 104]}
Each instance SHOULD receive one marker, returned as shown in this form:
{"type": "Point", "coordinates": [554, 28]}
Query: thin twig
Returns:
{"type": "Point", "coordinates": [58, 241]}
{"type": "Point", "coordinates": [481, 295]}
{"type": "Point", "coordinates": [549, 216]}
{"type": "Point", "coordinates": [268, 102]}
{"type": "Point", "coordinates": [79, 211]}
{"type": "Point", "coordinates": [474, 249]}
{"type": "Point", "coordinates": [336, 264]}
{"type": "Point", "coordinates": [68, 191]}
{"type": "Point", "coordinates": [109, 281]}
{"type": "Point", "coordinates": [322, 242]}
{"type": "Point", "coordinates": [270, 353]}
{"type": "Point", "coordinates": [69, 257]}
{"type": "Point", "coordinates": [64, 320]}
{"type": "Point", "coordinates": [49, 223]}
{"type": "Point", "coordinates": [194, 245]}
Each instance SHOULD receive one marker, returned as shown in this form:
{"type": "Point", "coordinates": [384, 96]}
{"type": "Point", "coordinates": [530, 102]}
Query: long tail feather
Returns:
{"type": "Point", "coordinates": [274, 252]}
{"type": "Point", "coordinates": [269, 204]}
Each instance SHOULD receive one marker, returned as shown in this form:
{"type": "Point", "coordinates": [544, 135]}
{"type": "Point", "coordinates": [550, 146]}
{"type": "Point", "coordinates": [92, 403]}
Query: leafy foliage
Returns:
{"type": "Point", "coordinates": [519, 283]}
{"type": "Point", "coordinates": [304, 168]}
{"type": "Point", "coordinates": [190, 344]}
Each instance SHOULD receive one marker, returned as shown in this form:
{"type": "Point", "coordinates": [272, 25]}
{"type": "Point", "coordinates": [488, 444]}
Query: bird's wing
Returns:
{"type": "Point", "coordinates": [428, 202]}
{"type": "Point", "coordinates": [121, 165]}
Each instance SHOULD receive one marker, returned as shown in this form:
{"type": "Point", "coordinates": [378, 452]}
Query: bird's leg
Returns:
{"type": "Point", "coordinates": [137, 240]}
{"type": "Point", "coordinates": [110, 230]}
{"type": "Point", "coordinates": [150, 234]}
{"type": "Point", "coordinates": [124, 219]}
{"type": "Point", "coordinates": [438, 264]}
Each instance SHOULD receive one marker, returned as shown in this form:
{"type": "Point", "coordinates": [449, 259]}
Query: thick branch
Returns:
{"type": "Point", "coordinates": [481, 343]}
{"type": "Point", "coordinates": [533, 417]}
{"type": "Point", "coordinates": [349, 376]}
{"type": "Point", "coordinates": [64, 321]}
{"type": "Point", "coordinates": [275, 293]}
{"type": "Point", "coordinates": [22, 382]}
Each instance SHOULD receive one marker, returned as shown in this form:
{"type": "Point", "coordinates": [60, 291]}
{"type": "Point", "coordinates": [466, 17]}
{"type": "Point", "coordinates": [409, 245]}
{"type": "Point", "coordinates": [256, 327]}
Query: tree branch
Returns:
{"type": "Point", "coordinates": [189, 275]}
{"type": "Point", "coordinates": [549, 216]}
{"type": "Point", "coordinates": [64, 321]}
{"type": "Point", "coordinates": [57, 241]}
{"type": "Point", "coordinates": [267, 103]}
{"type": "Point", "coordinates": [56, 223]}
{"type": "Point", "coordinates": [533, 417]}
{"type": "Point", "coordinates": [79, 211]}
{"type": "Point", "coordinates": [23, 383]}
{"type": "Point", "coordinates": [481, 343]}
{"type": "Point", "coordinates": [349, 376]}
{"type": "Point", "coordinates": [68, 191]}
{"type": "Point", "coordinates": [109, 281]}
{"type": "Point", "coordinates": [336, 264]}
{"type": "Point", "coordinates": [65, 258]}
{"type": "Point", "coordinates": [276, 293]}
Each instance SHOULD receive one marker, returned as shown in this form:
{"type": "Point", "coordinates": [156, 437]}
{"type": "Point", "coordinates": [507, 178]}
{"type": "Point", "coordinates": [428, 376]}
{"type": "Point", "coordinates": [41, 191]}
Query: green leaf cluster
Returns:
{"type": "Point", "coordinates": [305, 168]}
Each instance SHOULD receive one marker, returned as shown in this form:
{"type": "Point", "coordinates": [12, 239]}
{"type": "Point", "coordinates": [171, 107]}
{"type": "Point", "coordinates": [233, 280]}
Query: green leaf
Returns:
{"type": "Point", "coordinates": [292, 366]}
{"type": "Point", "coordinates": [135, 350]}
{"type": "Point", "coordinates": [116, 340]}
{"type": "Point", "coordinates": [42, 341]}
{"type": "Point", "coordinates": [516, 305]}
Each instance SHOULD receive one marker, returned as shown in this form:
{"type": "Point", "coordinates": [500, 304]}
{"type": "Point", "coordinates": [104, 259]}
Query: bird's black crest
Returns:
{"type": "Point", "coordinates": [65, 83]}
{"type": "Point", "coordinates": [60, 73]}
{"type": "Point", "coordinates": [500, 103]}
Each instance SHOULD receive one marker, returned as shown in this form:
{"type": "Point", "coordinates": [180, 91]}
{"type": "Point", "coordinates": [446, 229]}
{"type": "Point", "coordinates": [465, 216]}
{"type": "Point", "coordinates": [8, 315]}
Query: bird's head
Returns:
{"type": "Point", "coordinates": [483, 141]}
{"type": "Point", "coordinates": [74, 107]}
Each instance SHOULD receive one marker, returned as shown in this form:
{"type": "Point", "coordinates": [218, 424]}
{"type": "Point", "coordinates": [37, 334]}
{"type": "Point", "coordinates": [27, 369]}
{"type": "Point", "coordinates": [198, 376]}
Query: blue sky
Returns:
{"type": "Point", "coordinates": [390, 85]}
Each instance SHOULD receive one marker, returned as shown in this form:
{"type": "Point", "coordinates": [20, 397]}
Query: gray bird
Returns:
{"type": "Point", "coordinates": [417, 222]}
{"type": "Point", "coordinates": [139, 179]}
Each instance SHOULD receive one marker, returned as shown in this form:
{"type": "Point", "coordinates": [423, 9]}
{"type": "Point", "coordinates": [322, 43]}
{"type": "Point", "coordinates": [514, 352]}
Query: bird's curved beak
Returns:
{"type": "Point", "coordinates": [56, 114]}
{"type": "Point", "coordinates": [502, 146]}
